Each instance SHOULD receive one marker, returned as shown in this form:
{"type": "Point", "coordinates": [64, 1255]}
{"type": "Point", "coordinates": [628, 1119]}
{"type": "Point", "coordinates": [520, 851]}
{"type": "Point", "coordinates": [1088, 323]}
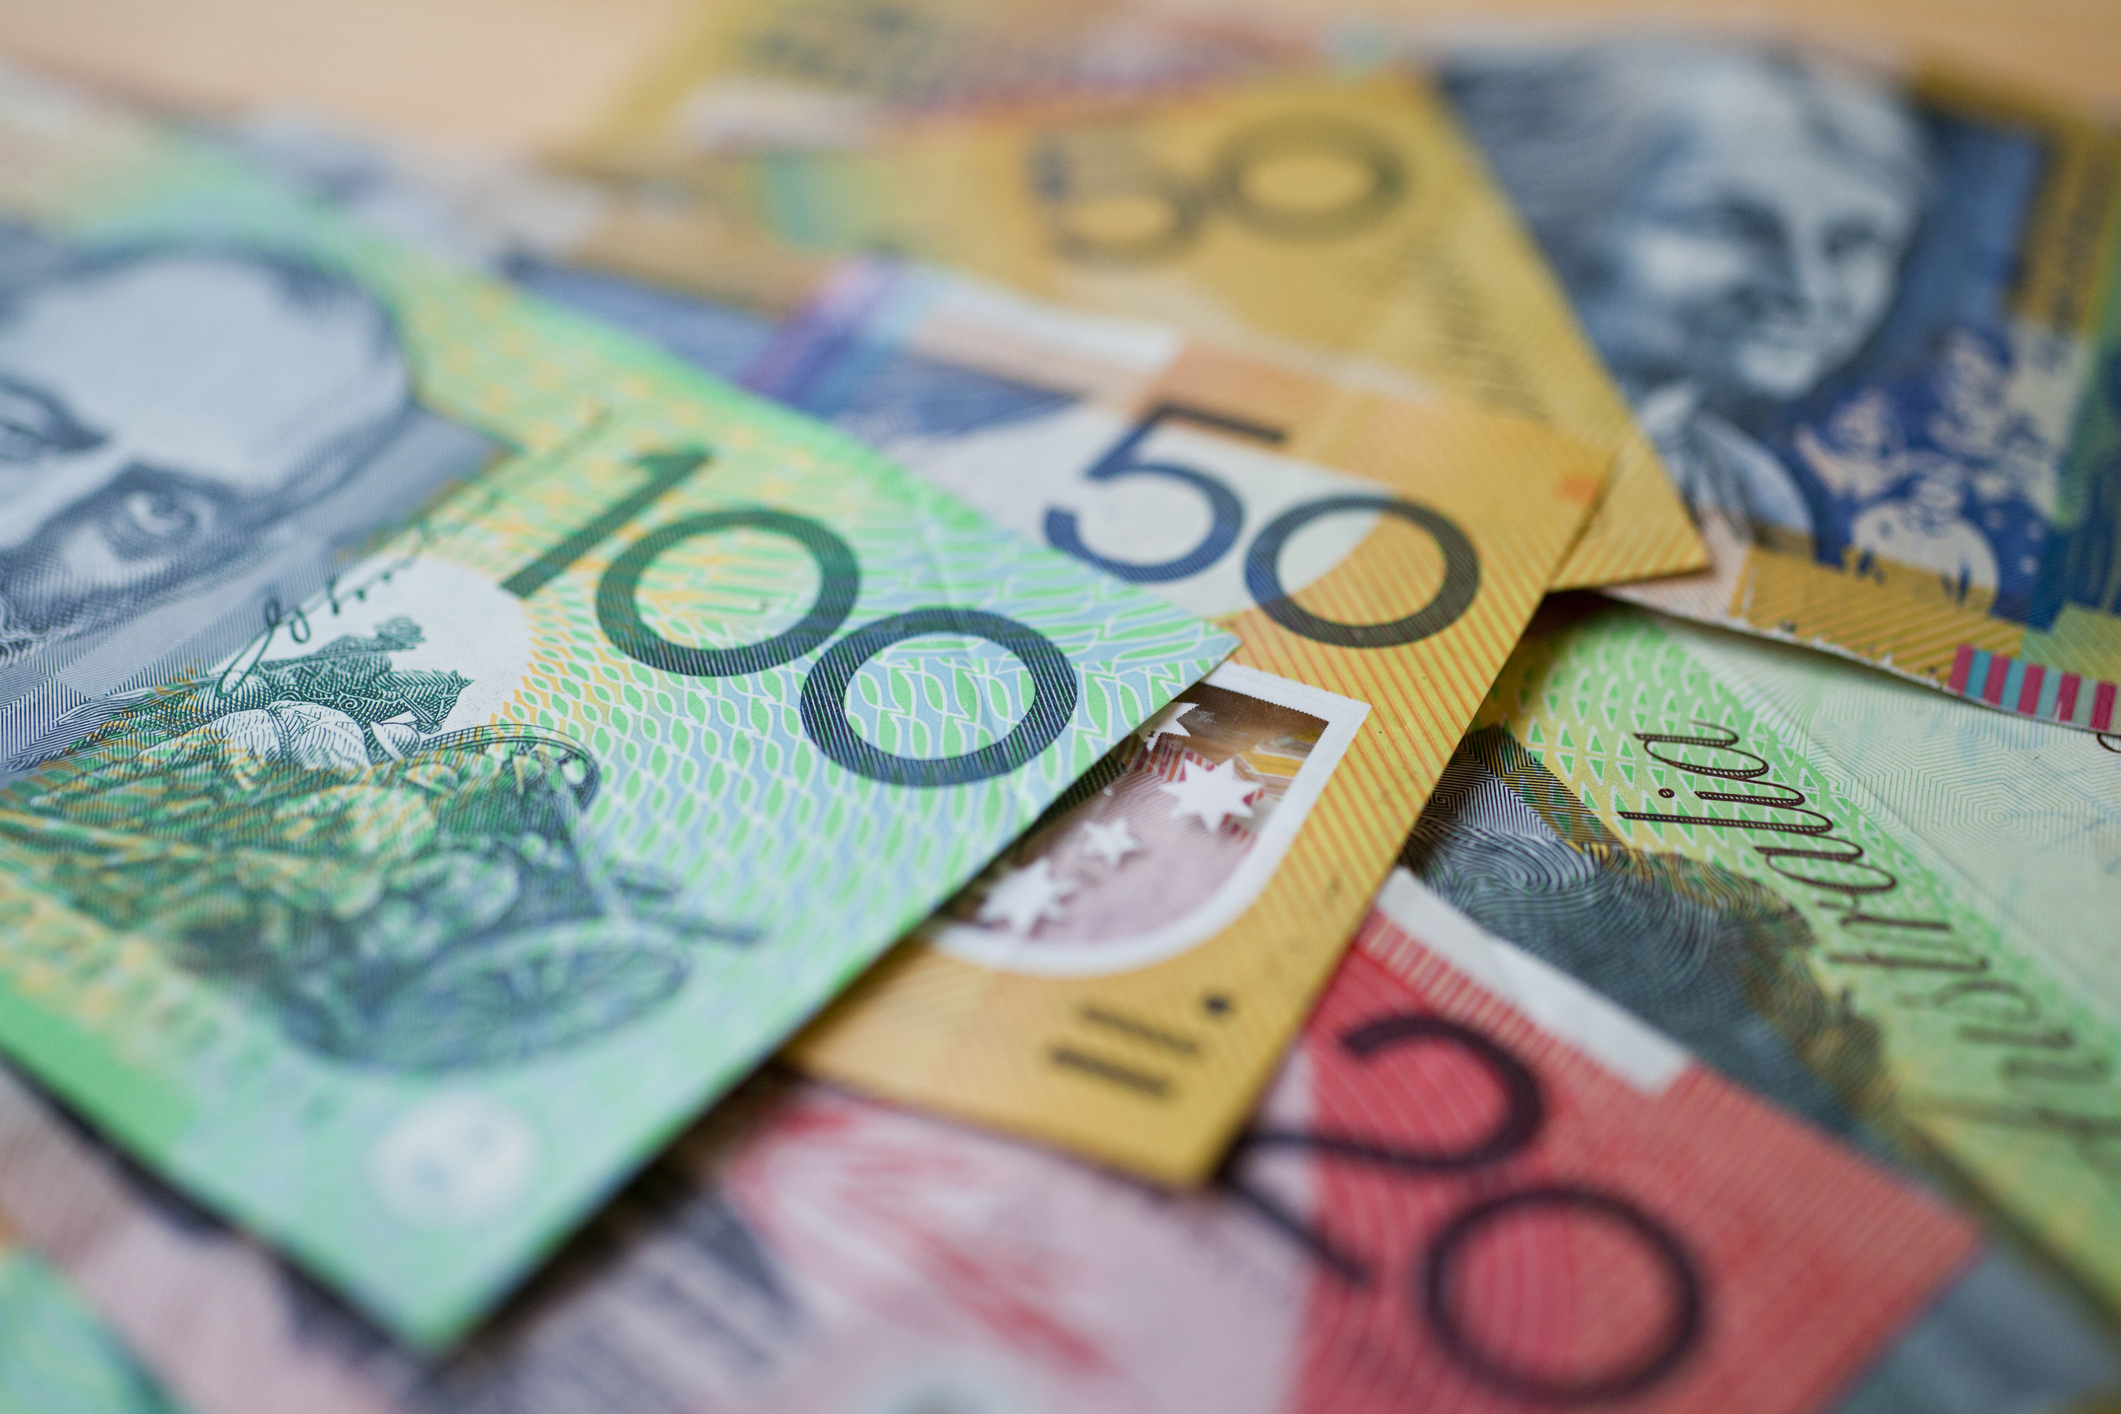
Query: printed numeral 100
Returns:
{"type": "Point", "coordinates": [823, 705]}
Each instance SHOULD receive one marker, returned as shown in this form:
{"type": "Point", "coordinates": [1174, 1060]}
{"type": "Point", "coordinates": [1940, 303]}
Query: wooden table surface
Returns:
{"type": "Point", "coordinates": [516, 74]}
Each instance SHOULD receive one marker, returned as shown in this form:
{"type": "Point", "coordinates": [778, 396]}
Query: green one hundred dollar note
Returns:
{"type": "Point", "coordinates": [1729, 846]}
{"type": "Point", "coordinates": [403, 933]}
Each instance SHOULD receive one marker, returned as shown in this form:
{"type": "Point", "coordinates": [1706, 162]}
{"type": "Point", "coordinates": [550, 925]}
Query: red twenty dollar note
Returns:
{"type": "Point", "coordinates": [1476, 1186]}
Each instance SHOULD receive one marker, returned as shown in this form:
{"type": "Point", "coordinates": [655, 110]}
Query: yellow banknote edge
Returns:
{"type": "Point", "coordinates": [1436, 283]}
{"type": "Point", "coordinates": [1145, 1046]}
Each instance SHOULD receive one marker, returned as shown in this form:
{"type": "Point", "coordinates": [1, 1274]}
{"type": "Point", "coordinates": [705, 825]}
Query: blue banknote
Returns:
{"type": "Point", "coordinates": [1870, 321]}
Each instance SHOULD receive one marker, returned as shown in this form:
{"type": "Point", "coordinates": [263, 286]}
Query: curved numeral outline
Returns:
{"type": "Point", "coordinates": [823, 708]}
{"type": "Point", "coordinates": [1274, 137]}
{"type": "Point", "coordinates": [824, 702]}
{"type": "Point", "coordinates": [1438, 1296]}
{"type": "Point", "coordinates": [1262, 567]}
{"type": "Point", "coordinates": [619, 612]}
{"type": "Point", "coordinates": [1226, 511]}
{"type": "Point", "coordinates": [1461, 575]}
{"type": "Point", "coordinates": [1189, 203]}
{"type": "Point", "coordinates": [1432, 1282]}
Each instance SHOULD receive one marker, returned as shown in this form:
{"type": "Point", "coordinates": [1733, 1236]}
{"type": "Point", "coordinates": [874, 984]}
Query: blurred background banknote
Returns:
{"type": "Point", "coordinates": [395, 934]}
{"type": "Point", "coordinates": [1489, 1185]}
{"type": "Point", "coordinates": [519, 74]}
{"type": "Point", "coordinates": [1341, 228]}
{"type": "Point", "coordinates": [1870, 321]}
{"type": "Point", "coordinates": [57, 1356]}
{"type": "Point", "coordinates": [842, 73]}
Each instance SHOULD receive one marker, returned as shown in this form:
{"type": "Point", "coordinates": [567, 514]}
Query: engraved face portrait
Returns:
{"type": "Point", "coordinates": [1730, 225]}
{"type": "Point", "coordinates": [162, 412]}
{"type": "Point", "coordinates": [1722, 215]}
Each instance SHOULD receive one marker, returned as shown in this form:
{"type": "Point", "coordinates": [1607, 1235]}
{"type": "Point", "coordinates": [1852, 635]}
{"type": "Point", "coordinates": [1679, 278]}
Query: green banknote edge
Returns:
{"type": "Point", "coordinates": [1950, 1001]}
{"type": "Point", "coordinates": [184, 191]}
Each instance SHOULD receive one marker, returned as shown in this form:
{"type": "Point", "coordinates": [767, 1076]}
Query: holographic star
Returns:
{"type": "Point", "coordinates": [1021, 898]}
{"type": "Point", "coordinates": [1211, 795]}
{"type": "Point", "coordinates": [1111, 843]}
{"type": "Point", "coordinates": [1166, 723]}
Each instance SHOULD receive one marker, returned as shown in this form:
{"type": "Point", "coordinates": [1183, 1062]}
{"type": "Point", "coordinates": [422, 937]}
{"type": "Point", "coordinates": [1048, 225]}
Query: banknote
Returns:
{"type": "Point", "coordinates": [1122, 980]}
{"type": "Point", "coordinates": [518, 219]}
{"type": "Point", "coordinates": [841, 73]}
{"type": "Point", "coordinates": [1345, 229]}
{"type": "Point", "coordinates": [405, 931]}
{"type": "Point", "coordinates": [1475, 1179]}
{"type": "Point", "coordinates": [57, 1356]}
{"type": "Point", "coordinates": [2031, 812]}
{"type": "Point", "coordinates": [1870, 321]}
{"type": "Point", "coordinates": [138, 539]}
{"type": "Point", "coordinates": [1635, 810]}
{"type": "Point", "coordinates": [1227, 484]}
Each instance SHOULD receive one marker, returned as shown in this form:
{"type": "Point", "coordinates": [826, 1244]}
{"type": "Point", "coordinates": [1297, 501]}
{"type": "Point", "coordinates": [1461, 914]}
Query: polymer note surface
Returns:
{"type": "Point", "coordinates": [1634, 808]}
{"type": "Point", "coordinates": [1870, 321]}
{"type": "Point", "coordinates": [56, 1353]}
{"type": "Point", "coordinates": [1123, 979]}
{"type": "Point", "coordinates": [139, 538]}
{"type": "Point", "coordinates": [1344, 229]}
{"type": "Point", "coordinates": [1474, 1177]}
{"type": "Point", "coordinates": [841, 72]}
{"type": "Point", "coordinates": [406, 931]}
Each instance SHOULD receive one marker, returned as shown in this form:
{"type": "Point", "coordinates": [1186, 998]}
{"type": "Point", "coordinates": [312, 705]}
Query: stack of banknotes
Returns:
{"type": "Point", "coordinates": [1014, 709]}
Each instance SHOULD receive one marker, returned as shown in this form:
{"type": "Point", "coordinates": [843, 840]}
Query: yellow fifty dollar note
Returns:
{"type": "Point", "coordinates": [1126, 976]}
{"type": "Point", "coordinates": [1344, 229]}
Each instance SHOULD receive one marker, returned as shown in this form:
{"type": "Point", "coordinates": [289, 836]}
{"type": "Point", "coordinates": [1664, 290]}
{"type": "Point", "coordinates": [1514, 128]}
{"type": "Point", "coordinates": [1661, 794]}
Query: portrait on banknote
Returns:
{"type": "Point", "coordinates": [1810, 281]}
{"type": "Point", "coordinates": [191, 432]}
{"type": "Point", "coordinates": [171, 411]}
